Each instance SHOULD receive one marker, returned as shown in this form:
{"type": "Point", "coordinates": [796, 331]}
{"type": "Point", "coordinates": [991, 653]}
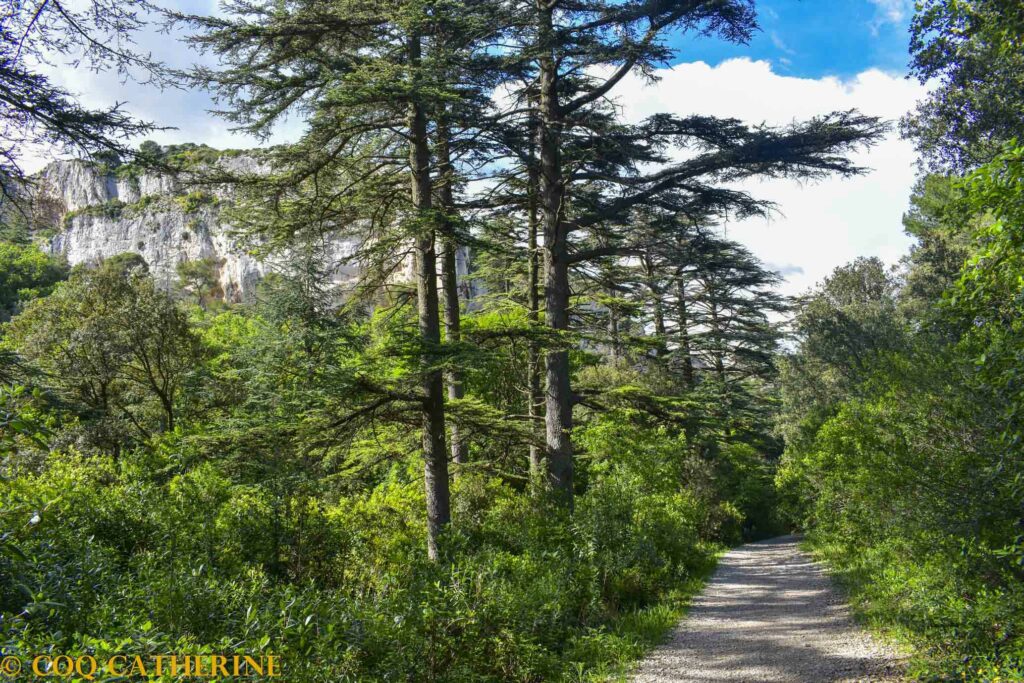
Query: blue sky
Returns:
{"type": "Point", "coordinates": [815, 38]}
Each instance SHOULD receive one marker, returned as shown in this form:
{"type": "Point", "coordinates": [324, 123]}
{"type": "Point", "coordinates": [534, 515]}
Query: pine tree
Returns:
{"type": "Point", "coordinates": [589, 166]}
{"type": "Point", "coordinates": [368, 77]}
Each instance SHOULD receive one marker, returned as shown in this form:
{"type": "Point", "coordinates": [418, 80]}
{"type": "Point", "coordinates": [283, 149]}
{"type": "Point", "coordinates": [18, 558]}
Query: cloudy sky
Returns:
{"type": "Point", "coordinates": [811, 57]}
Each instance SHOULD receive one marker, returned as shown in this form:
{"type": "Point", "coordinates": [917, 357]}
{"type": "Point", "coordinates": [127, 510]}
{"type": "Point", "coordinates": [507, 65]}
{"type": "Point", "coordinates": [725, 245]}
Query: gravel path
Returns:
{"type": "Point", "coordinates": [769, 614]}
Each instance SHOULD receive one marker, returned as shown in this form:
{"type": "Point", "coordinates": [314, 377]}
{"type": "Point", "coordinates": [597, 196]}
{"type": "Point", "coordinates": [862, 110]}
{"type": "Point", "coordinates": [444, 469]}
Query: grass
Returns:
{"type": "Point", "coordinates": [609, 655]}
{"type": "Point", "coordinates": [895, 602]}
{"type": "Point", "coordinates": [853, 581]}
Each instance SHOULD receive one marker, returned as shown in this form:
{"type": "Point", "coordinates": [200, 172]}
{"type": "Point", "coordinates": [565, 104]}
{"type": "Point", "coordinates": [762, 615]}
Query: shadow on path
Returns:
{"type": "Point", "coordinates": [769, 614]}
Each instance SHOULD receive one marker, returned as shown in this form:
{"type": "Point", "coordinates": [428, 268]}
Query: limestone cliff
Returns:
{"type": "Point", "coordinates": [99, 212]}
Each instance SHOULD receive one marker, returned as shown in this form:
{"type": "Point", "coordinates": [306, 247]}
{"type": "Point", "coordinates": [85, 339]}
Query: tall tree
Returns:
{"type": "Point", "coordinates": [25, 273]}
{"type": "Point", "coordinates": [590, 167]}
{"type": "Point", "coordinates": [732, 307]}
{"type": "Point", "coordinates": [943, 234]}
{"type": "Point", "coordinates": [449, 272]}
{"type": "Point", "coordinates": [368, 78]}
{"type": "Point", "coordinates": [459, 146]}
{"type": "Point", "coordinates": [845, 326]}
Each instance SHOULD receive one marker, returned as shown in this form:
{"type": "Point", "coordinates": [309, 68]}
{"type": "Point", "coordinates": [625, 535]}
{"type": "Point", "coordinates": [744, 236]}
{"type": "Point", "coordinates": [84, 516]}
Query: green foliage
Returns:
{"type": "Point", "coordinates": [908, 496]}
{"type": "Point", "coordinates": [260, 523]}
{"type": "Point", "coordinates": [972, 50]}
{"type": "Point", "coordinates": [199, 278]}
{"type": "Point", "coordinates": [196, 561]}
{"type": "Point", "coordinates": [908, 472]}
{"type": "Point", "coordinates": [187, 156]}
{"type": "Point", "coordinates": [115, 348]}
{"type": "Point", "coordinates": [150, 150]}
{"type": "Point", "coordinates": [851, 323]}
{"type": "Point", "coordinates": [990, 292]}
{"type": "Point", "coordinates": [26, 273]}
{"type": "Point", "coordinates": [943, 231]}
{"type": "Point", "coordinates": [192, 201]}
{"type": "Point", "coordinates": [110, 209]}
{"type": "Point", "coordinates": [251, 477]}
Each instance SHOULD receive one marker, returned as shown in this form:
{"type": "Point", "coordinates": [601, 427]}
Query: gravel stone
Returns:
{"type": "Point", "coordinates": [769, 613]}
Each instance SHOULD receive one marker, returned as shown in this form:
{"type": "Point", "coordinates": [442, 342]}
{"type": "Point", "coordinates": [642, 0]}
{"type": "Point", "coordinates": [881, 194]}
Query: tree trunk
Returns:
{"type": "Point", "coordinates": [167, 401]}
{"type": "Point", "coordinates": [684, 334]}
{"type": "Point", "coordinates": [658, 307]}
{"type": "Point", "coordinates": [718, 353]}
{"type": "Point", "coordinates": [434, 454]}
{"type": "Point", "coordinates": [449, 278]}
{"type": "Point", "coordinates": [450, 284]}
{"type": "Point", "coordinates": [558, 400]}
{"type": "Point", "coordinates": [613, 325]}
{"type": "Point", "coordinates": [536, 397]}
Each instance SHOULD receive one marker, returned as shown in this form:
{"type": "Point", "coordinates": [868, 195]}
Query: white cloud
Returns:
{"type": "Point", "coordinates": [893, 10]}
{"type": "Point", "coordinates": [890, 12]}
{"type": "Point", "coordinates": [780, 44]}
{"type": "Point", "coordinates": [820, 225]}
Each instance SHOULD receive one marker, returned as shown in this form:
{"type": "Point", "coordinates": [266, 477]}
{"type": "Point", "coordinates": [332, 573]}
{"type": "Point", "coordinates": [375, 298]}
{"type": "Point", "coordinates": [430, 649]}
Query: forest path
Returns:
{"type": "Point", "coordinates": [769, 613]}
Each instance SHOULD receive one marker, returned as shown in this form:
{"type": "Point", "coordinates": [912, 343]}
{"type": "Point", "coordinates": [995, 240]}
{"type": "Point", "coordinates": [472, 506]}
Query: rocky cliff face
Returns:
{"type": "Point", "coordinates": [102, 213]}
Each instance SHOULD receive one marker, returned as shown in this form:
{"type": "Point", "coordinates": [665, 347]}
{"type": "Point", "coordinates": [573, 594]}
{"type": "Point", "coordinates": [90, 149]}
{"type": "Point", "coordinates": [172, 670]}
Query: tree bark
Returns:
{"type": "Point", "coordinates": [449, 279]}
{"type": "Point", "coordinates": [435, 456]}
{"type": "Point", "coordinates": [718, 353]}
{"type": "Point", "coordinates": [657, 305]}
{"type": "Point", "coordinates": [683, 334]}
{"type": "Point", "coordinates": [613, 325]}
{"type": "Point", "coordinates": [536, 397]}
{"type": "Point", "coordinates": [558, 398]}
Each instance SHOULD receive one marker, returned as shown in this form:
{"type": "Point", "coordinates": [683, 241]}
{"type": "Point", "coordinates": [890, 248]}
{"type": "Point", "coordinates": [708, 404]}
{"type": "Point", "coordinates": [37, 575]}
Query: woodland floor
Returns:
{"type": "Point", "coordinates": [769, 613]}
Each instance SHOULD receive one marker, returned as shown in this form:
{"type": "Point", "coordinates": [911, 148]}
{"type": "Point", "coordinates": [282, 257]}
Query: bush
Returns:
{"type": "Point", "coordinates": [229, 518]}
{"type": "Point", "coordinates": [917, 527]}
{"type": "Point", "coordinates": [126, 558]}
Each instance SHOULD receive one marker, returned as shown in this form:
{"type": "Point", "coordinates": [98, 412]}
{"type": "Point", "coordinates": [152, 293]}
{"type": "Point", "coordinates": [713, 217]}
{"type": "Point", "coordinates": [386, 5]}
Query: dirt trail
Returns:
{"type": "Point", "coordinates": [769, 614]}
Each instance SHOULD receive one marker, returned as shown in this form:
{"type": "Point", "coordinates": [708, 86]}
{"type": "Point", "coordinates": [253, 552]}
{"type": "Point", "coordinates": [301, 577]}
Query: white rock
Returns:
{"type": "Point", "coordinates": [108, 220]}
